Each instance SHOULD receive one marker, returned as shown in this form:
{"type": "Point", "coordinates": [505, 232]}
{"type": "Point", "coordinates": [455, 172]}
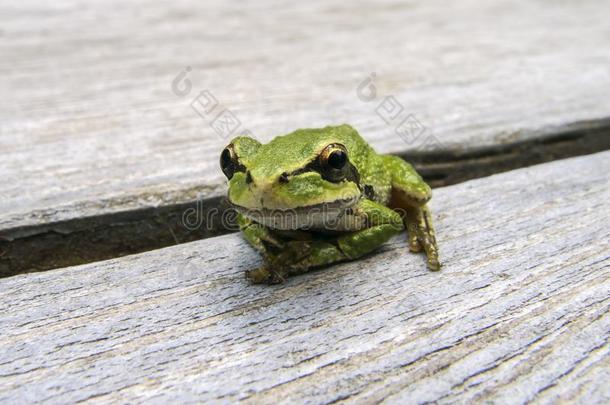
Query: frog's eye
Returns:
{"type": "Point", "coordinates": [334, 157]}
{"type": "Point", "coordinates": [334, 161]}
{"type": "Point", "coordinates": [228, 162]}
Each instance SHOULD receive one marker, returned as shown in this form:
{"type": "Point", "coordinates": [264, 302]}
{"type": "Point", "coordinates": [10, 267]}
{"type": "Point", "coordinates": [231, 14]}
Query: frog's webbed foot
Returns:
{"type": "Point", "coordinates": [421, 235]}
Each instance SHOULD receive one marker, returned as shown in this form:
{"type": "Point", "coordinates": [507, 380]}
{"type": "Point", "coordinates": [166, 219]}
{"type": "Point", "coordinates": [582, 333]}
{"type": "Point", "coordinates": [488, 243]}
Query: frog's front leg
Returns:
{"type": "Point", "coordinates": [278, 248]}
{"type": "Point", "coordinates": [410, 193]}
{"type": "Point", "coordinates": [383, 223]}
{"type": "Point", "coordinates": [258, 236]}
{"type": "Point", "coordinates": [295, 257]}
{"type": "Point", "coordinates": [419, 220]}
{"type": "Point", "coordinates": [261, 239]}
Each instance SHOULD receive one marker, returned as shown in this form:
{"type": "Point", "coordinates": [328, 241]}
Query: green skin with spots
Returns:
{"type": "Point", "coordinates": [301, 211]}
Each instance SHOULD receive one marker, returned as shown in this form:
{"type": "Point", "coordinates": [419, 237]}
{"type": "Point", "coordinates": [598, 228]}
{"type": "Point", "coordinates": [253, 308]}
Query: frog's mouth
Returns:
{"type": "Point", "coordinates": [333, 215]}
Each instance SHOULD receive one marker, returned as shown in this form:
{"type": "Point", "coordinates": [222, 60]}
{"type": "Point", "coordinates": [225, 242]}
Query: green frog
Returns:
{"type": "Point", "coordinates": [320, 196]}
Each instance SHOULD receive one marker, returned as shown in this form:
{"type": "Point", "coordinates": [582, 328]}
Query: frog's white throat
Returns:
{"type": "Point", "coordinates": [340, 216]}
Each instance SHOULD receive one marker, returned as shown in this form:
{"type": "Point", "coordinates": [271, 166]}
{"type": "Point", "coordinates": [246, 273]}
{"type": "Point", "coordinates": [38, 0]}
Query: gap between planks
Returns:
{"type": "Point", "coordinates": [106, 236]}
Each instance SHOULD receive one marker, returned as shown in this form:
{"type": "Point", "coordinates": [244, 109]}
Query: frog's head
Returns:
{"type": "Point", "coordinates": [306, 170]}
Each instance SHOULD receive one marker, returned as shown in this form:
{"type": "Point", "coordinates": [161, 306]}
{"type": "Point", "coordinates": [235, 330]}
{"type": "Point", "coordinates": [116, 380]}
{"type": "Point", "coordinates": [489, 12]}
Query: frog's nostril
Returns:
{"type": "Point", "coordinates": [248, 177]}
{"type": "Point", "coordinates": [284, 177]}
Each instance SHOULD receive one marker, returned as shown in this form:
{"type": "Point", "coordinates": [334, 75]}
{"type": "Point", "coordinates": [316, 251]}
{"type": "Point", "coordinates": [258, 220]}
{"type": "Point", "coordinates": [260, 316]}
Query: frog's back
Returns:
{"type": "Point", "coordinates": [309, 142]}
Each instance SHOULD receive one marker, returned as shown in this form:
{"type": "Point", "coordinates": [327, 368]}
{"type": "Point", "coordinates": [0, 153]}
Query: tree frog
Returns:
{"type": "Point", "coordinates": [320, 196]}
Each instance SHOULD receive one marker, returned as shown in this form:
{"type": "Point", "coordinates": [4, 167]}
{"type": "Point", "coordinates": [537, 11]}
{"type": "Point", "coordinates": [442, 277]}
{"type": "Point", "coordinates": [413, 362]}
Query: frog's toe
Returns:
{"type": "Point", "coordinates": [258, 276]}
{"type": "Point", "coordinates": [275, 278]}
{"type": "Point", "coordinates": [264, 275]}
{"type": "Point", "coordinates": [434, 264]}
{"type": "Point", "coordinates": [414, 245]}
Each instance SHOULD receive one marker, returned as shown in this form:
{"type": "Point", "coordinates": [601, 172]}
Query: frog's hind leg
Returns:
{"type": "Point", "coordinates": [296, 257]}
{"type": "Point", "coordinates": [318, 253]}
{"type": "Point", "coordinates": [300, 256]}
{"type": "Point", "coordinates": [285, 253]}
{"type": "Point", "coordinates": [293, 253]}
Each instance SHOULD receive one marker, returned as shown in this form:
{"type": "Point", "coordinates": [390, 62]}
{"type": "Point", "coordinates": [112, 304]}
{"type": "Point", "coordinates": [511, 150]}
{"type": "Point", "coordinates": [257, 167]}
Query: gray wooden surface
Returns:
{"type": "Point", "coordinates": [89, 124]}
{"type": "Point", "coordinates": [518, 313]}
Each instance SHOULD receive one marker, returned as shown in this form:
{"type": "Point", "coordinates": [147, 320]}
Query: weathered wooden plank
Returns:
{"type": "Point", "coordinates": [519, 312]}
{"type": "Point", "coordinates": [90, 124]}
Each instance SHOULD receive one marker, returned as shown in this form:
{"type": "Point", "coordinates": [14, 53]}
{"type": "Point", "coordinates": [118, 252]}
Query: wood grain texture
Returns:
{"type": "Point", "coordinates": [519, 312]}
{"type": "Point", "coordinates": [90, 126]}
